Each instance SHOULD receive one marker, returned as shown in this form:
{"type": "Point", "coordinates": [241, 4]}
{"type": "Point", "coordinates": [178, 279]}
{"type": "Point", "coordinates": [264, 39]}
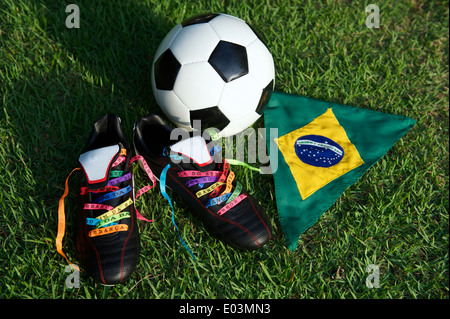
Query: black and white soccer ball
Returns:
{"type": "Point", "coordinates": [216, 69]}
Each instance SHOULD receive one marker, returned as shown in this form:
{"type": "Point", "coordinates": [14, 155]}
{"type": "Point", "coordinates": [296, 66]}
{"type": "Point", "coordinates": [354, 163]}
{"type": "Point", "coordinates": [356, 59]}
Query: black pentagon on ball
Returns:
{"type": "Point", "coordinates": [203, 18]}
{"type": "Point", "coordinates": [166, 70]}
{"type": "Point", "coordinates": [209, 117]}
{"type": "Point", "coordinates": [229, 60]}
{"type": "Point", "coordinates": [265, 97]}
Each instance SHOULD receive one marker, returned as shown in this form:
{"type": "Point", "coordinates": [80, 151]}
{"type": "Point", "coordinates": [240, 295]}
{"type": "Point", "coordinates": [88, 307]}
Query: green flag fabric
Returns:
{"type": "Point", "coordinates": [323, 148]}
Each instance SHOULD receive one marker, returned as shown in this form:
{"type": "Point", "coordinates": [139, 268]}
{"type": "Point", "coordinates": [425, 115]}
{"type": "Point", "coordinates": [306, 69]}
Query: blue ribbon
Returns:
{"type": "Point", "coordinates": [217, 200]}
{"type": "Point", "coordinates": [112, 195]}
{"type": "Point", "coordinates": [162, 184]}
{"type": "Point", "coordinates": [95, 221]}
{"type": "Point", "coordinates": [215, 149]}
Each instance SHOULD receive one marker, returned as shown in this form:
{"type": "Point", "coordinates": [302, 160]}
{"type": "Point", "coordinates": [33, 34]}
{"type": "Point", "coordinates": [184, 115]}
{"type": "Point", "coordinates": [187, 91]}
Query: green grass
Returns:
{"type": "Point", "coordinates": [55, 82]}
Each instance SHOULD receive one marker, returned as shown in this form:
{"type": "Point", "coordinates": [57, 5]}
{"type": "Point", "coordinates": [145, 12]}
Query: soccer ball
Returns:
{"type": "Point", "coordinates": [213, 68]}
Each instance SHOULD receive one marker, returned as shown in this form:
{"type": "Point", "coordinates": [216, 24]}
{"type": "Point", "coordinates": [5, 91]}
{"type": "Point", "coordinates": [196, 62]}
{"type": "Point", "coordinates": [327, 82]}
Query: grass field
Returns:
{"type": "Point", "coordinates": [55, 82]}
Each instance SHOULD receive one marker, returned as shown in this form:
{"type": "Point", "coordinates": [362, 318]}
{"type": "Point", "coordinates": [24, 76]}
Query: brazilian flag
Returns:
{"type": "Point", "coordinates": [323, 148]}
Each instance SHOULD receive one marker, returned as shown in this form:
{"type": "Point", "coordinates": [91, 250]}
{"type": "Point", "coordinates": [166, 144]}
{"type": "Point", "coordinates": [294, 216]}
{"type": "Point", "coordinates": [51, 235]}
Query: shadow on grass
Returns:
{"type": "Point", "coordinates": [116, 43]}
{"type": "Point", "coordinates": [104, 66]}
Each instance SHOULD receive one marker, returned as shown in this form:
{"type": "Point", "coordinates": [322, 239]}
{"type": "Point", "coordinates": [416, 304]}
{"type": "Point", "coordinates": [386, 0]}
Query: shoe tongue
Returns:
{"type": "Point", "coordinates": [97, 163]}
{"type": "Point", "coordinates": [196, 153]}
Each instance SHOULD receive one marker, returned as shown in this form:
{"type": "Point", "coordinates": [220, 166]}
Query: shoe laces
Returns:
{"type": "Point", "coordinates": [106, 223]}
{"type": "Point", "coordinates": [221, 190]}
{"type": "Point", "coordinates": [200, 178]}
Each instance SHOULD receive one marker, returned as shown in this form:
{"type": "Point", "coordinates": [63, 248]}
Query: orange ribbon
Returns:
{"type": "Point", "coordinates": [62, 221]}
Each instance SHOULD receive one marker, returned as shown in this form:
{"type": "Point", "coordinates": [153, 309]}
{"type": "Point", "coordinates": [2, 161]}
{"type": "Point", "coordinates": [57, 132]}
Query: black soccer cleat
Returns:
{"type": "Point", "coordinates": [193, 168]}
{"type": "Point", "coordinates": [107, 239]}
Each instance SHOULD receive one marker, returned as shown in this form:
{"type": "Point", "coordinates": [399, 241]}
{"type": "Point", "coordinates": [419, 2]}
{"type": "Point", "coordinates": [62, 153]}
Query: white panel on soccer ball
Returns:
{"type": "Point", "coordinates": [260, 63]}
{"type": "Point", "coordinates": [167, 41]}
{"type": "Point", "coordinates": [240, 97]}
{"type": "Point", "coordinates": [194, 43]}
{"type": "Point", "coordinates": [174, 109]}
{"type": "Point", "coordinates": [232, 29]}
{"type": "Point", "coordinates": [198, 86]}
{"type": "Point", "coordinates": [237, 126]}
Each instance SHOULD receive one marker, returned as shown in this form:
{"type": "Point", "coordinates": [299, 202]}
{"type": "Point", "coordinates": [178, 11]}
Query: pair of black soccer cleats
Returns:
{"type": "Point", "coordinates": [107, 236]}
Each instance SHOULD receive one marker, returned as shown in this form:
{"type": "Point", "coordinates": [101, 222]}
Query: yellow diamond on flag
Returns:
{"type": "Point", "coordinates": [318, 153]}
